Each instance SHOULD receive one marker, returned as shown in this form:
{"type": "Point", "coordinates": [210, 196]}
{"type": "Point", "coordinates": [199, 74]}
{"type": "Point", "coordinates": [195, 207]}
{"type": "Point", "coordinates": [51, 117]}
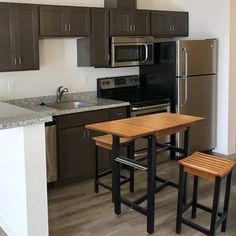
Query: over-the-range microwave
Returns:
{"type": "Point", "coordinates": [132, 51]}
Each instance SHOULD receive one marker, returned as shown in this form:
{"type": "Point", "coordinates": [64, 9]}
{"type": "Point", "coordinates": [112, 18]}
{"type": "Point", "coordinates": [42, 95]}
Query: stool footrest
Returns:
{"type": "Point", "coordinates": [207, 209]}
{"type": "Point", "coordinates": [131, 163]}
{"type": "Point", "coordinates": [195, 226]}
{"type": "Point", "coordinates": [134, 206]}
{"type": "Point", "coordinates": [105, 173]}
{"type": "Point", "coordinates": [104, 185]}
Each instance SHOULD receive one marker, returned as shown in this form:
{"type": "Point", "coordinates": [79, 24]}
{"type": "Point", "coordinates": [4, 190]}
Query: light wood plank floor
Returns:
{"type": "Point", "coordinates": [74, 210]}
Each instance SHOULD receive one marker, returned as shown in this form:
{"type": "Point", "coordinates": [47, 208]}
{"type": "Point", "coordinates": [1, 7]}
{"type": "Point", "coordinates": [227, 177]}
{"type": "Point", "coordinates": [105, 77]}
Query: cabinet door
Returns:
{"type": "Point", "coordinates": [52, 21]}
{"type": "Point", "coordinates": [27, 38]}
{"type": "Point", "coordinates": [72, 153]}
{"type": "Point", "coordinates": [141, 23]}
{"type": "Point", "coordinates": [120, 22]}
{"type": "Point", "coordinates": [100, 33]}
{"type": "Point", "coordinates": [160, 24]}
{"type": "Point", "coordinates": [7, 37]}
{"type": "Point", "coordinates": [179, 22]}
{"type": "Point", "coordinates": [78, 21]}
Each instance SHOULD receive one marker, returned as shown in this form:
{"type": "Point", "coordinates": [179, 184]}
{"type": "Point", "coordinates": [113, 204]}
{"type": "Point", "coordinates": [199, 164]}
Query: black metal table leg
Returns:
{"type": "Point", "coordinates": [226, 203]}
{"type": "Point", "coordinates": [96, 170]}
{"type": "Point", "coordinates": [151, 183]}
{"type": "Point", "coordinates": [186, 152]}
{"type": "Point", "coordinates": [131, 169]}
{"type": "Point", "coordinates": [195, 192]}
{"type": "Point", "coordinates": [180, 200]}
{"type": "Point", "coordinates": [116, 175]}
{"type": "Point", "coordinates": [215, 207]}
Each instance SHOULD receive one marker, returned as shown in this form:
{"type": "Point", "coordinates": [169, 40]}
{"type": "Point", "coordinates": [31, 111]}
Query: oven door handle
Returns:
{"type": "Point", "coordinates": [150, 107]}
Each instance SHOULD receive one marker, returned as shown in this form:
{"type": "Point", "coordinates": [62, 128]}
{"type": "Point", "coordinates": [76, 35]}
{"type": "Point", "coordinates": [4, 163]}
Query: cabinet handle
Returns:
{"type": "Point", "coordinates": [84, 134]}
{"type": "Point", "coordinates": [134, 28]}
{"type": "Point", "coordinates": [170, 28]}
{"type": "Point", "coordinates": [65, 27]}
{"type": "Point", "coordinates": [69, 27]}
{"type": "Point", "coordinates": [108, 57]}
{"type": "Point", "coordinates": [173, 28]}
{"type": "Point", "coordinates": [15, 61]}
{"type": "Point", "coordinates": [20, 60]}
{"type": "Point", "coordinates": [88, 133]}
{"type": "Point", "coordinates": [119, 114]}
{"type": "Point", "coordinates": [130, 28]}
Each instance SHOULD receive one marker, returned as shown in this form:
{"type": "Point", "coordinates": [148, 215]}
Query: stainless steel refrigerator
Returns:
{"type": "Point", "coordinates": [185, 71]}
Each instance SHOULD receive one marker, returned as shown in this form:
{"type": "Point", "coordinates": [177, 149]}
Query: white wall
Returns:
{"type": "Point", "coordinates": [58, 58]}
{"type": "Point", "coordinates": [211, 19]}
{"type": "Point", "coordinates": [23, 185]}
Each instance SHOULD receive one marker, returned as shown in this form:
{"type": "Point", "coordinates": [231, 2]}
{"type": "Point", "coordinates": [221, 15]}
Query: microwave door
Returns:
{"type": "Point", "coordinates": [130, 54]}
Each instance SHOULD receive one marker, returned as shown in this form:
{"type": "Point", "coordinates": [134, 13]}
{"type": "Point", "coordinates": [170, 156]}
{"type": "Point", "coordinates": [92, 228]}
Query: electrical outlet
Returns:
{"type": "Point", "coordinates": [11, 87]}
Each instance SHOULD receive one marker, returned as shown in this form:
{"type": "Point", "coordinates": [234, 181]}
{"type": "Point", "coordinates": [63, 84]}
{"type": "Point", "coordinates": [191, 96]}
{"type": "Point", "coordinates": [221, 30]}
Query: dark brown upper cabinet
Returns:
{"type": "Point", "coordinates": [100, 37]}
{"type": "Point", "coordinates": [64, 21]}
{"type": "Point", "coordinates": [94, 50]}
{"type": "Point", "coordinates": [131, 4]}
{"type": "Point", "coordinates": [19, 45]}
{"type": "Point", "coordinates": [169, 24]}
{"type": "Point", "coordinates": [129, 22]}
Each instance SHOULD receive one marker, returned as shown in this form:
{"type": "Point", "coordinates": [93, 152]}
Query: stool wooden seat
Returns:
{"type": "Point", "coordinates": [211, 168]}
{"type": "Point", "coordinates": [105, 141]}
{"type": "Point", "coordinates": [207, 166]}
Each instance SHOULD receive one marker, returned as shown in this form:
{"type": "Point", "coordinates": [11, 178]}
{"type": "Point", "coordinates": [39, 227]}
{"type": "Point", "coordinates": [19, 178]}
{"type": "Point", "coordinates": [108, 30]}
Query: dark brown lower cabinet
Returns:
{"type": "Point", "coordinates": [75, 145]}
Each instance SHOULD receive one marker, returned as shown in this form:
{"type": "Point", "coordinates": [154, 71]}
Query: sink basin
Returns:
{"type": "Point", "coordinates": [69, 105]}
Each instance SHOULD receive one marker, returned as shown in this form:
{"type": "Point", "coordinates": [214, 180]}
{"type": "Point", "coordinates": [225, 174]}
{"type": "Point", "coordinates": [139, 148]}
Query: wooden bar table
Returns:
{"type": "Point", "coordinates": [149, 126]}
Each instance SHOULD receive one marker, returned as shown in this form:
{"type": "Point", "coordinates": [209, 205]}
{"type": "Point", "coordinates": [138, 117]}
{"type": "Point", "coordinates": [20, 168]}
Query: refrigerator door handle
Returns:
{"type": "Point", "coordinates": [185, 76]}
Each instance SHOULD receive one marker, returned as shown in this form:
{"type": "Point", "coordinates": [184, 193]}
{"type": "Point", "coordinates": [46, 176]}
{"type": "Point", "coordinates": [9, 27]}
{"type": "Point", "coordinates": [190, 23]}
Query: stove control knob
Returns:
{"type": "Point", "coordinates": [108, 82]}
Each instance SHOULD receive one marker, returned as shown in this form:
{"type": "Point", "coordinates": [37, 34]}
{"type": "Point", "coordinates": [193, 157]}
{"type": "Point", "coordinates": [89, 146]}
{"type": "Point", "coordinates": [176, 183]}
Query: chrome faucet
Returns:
{"type": "Point", "coordinates": [60, 92]}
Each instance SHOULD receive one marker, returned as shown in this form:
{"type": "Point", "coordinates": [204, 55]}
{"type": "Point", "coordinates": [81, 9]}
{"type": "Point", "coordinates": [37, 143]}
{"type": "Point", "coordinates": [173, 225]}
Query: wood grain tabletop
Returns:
{"type": "Point", "coordinates": [135, 127]}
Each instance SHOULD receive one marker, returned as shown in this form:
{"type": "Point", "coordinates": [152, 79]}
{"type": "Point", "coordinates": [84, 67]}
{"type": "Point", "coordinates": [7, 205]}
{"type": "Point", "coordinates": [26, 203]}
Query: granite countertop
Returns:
{"type": "Point", "coordinates": [28, 111]}
{"type": "Point", "coordinates": [13, 117]}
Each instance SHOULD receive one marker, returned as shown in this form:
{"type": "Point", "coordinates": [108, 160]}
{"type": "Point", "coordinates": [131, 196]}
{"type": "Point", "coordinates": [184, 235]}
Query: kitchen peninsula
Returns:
{"type": "Point", "coordinates": [23, 171]}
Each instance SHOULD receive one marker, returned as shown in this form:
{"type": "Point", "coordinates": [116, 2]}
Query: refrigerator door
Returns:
{"type": "Point", "coordinates": [201, 101]}
{"type": "Point", "coordinates": [196, 57]}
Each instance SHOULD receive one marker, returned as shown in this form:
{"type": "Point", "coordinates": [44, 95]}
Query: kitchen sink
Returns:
{"type": "Point", "coordinates": [69, 105]}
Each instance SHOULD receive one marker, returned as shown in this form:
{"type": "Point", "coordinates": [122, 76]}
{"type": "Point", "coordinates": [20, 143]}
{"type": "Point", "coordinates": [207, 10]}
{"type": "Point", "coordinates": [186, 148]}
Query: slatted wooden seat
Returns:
{"type": "Point", "coordinates": [207, 166]}
{"type": "Point", "coordinates": [105, 141]}
{"type": "Point", "coordinates": [211, 168]}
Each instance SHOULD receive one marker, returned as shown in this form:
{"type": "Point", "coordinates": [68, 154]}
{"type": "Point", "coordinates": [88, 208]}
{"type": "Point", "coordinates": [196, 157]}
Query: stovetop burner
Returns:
{"type": "Point", "coordinates": [127, 88]}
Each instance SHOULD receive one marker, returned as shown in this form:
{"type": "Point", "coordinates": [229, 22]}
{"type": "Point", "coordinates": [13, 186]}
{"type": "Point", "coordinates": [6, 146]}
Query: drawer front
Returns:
{"type": "Point", "coordinates": [118, 113]}
{"type": "Point", "coordinates": [83, 118]}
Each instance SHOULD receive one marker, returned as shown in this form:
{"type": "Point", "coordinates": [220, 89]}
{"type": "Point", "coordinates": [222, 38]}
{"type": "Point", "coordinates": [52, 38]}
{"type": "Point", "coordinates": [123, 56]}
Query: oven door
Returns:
{"type": "Point", "coordinates": [132, 54]}
{"type": "Point", "coordinates": [141, 144]}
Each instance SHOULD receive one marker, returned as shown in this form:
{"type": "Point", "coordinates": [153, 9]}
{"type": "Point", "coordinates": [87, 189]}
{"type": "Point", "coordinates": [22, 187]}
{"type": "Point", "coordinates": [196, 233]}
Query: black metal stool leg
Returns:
{"type": "Point", "coordinates": [131, 169]}
{"type": "Point", "coordinates": [96, 187]}
{"type": "Point", "coordinates": [180, 200]}
{"type": "Point", "coordinates": [186, 152]}
{"type": "Point", "coordinates": [226, 203]}
{"type": "Point", "coordinates": [215, 207]}
{"type": "Point", "coordinates": [151, 183]}
{"type": "Point", "coordinates": [195, 192]}
{"type": "Point", "coordinates": [116, 175]}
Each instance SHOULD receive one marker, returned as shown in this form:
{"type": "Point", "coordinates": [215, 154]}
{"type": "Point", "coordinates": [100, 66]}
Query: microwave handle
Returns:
{"type": "Point", "coordinates": [146, 53]}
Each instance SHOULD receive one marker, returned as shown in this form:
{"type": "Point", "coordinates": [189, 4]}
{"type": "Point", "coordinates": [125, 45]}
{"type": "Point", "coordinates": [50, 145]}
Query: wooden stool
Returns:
{"type": "Point", "coordinates": [105, 141]}
{"type": "Point", "coordinates": [211, 168]}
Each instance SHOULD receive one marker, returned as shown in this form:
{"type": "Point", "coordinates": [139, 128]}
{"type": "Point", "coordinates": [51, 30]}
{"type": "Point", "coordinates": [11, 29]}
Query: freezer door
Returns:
{"type": "Point", "coordinates": [196, 57]}
{"type": "Point", "coordinates": [200, 100]}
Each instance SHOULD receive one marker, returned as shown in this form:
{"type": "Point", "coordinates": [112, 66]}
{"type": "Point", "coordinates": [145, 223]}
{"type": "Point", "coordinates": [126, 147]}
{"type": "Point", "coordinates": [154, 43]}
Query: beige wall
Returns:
{"type": "Point", "coordinates": [232, 71]}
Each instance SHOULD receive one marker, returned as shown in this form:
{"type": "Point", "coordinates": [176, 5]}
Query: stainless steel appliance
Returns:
{"type": "Point", "coordinates": [127, 88]}
{"type": "Point", "coordinates": [186, 71]}
{"type": "Point", "coordinates": [131, 51]}
{"type": "Point", "coordinates": [51, 151]}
